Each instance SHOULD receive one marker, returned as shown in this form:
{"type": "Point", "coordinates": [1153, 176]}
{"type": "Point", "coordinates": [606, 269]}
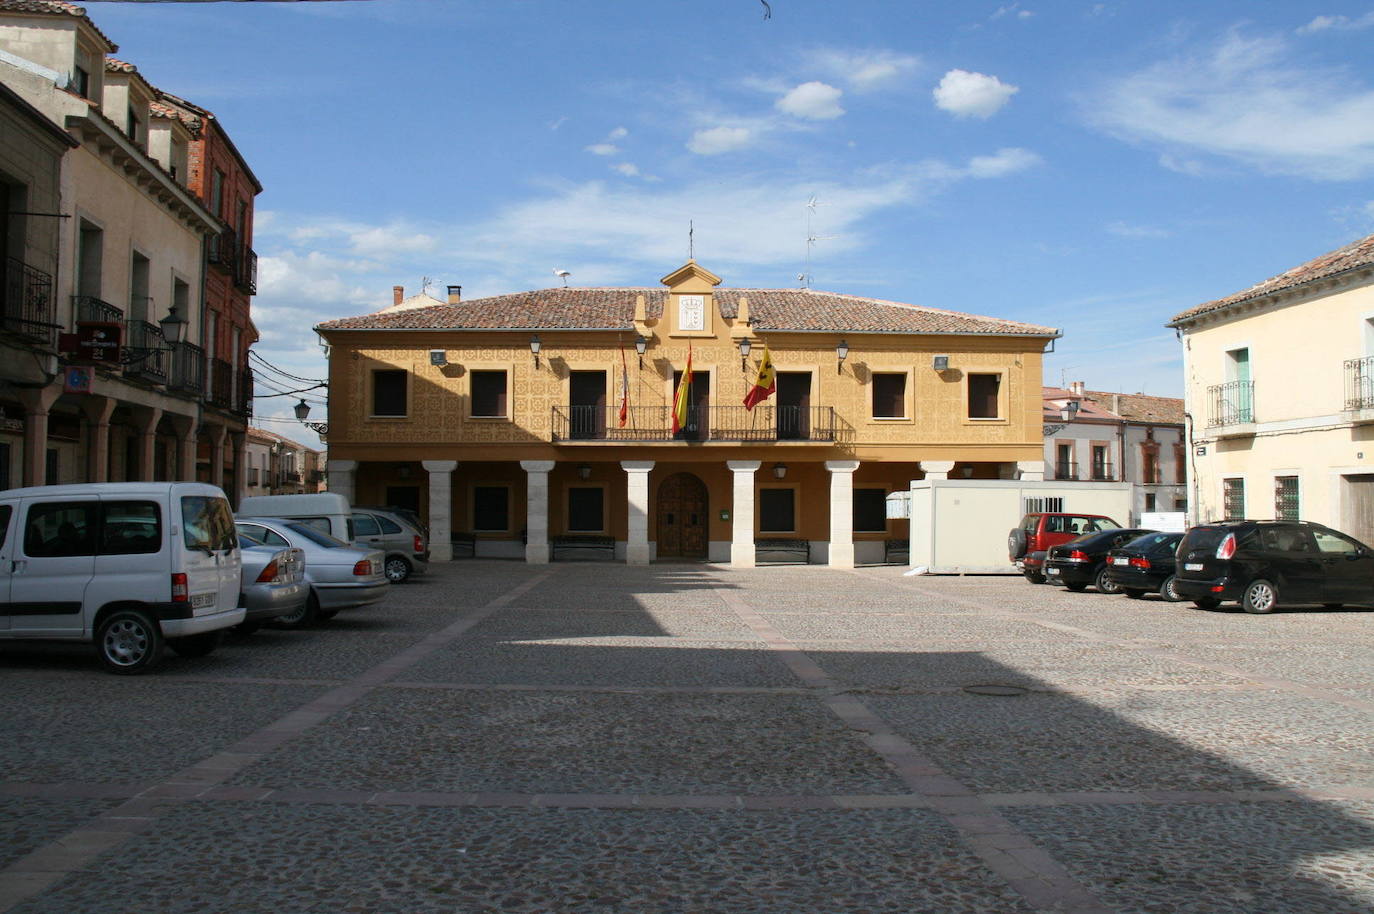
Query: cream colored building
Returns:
{"type": "Point", "coordinates": [500, 419]}
{"type": "Point", "coordinates": [1280, 396]}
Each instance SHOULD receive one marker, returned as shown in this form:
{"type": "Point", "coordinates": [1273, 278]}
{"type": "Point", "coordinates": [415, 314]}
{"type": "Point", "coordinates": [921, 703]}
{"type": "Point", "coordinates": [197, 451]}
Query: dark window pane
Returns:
{"type": "Point", "coordinates": [585, 510]}
{"type": "Point", "coordinates": [870, 510]}
{"type": "Point", "coordinates": [60, 529]}
{"type": "Point", "coordinates": [388, 525]}
{"type": "Point", "coordinates": [777, 511]}
{"type": "Point", "coordinates": [1233, 503]}
{"type": "Point", "coordinates": [491, 508]}
{"type": "Point", "coordinates": [489, 394]}
{"type": "Point", "coordinates": [982, 395]}
{"type": "Point", "coordinates": [131, 528]}
{"type": "Point", "coordinates": [388, 393]}
{"type": "Point", "coordinates": [365, 525]}
{"type": "Point", "coordinates": [889, 396]}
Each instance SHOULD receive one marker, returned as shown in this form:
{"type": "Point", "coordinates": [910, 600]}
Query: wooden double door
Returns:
{"type": "Point", "coordinates": [682, 507]}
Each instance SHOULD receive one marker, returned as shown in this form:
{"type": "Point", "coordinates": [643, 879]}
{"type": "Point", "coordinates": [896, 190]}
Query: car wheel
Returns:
{"type": "Point", "coordinates": [129, 642]}
{"type": "Point", "coordinates": [1034, 577]}
{"type": "Point", "coordinates": [305, 615]}
{"type": "Point", "coordinates": [1076, 587]}
{"type": "Point", "coordinates": [1135, 593]}
{"type": "Point", "coordinates": [1260, 597]}
{"type": "Point", "coordinates": [1105, 584]}
{"type": "Point", "coordinates": [1168, 591]}
{"type": "Point", "coordinates": [397, 569]}
{"type": "Point", "coordinates": [195, 645]}
{"type": "Point", "coordinates": [1207, 603]}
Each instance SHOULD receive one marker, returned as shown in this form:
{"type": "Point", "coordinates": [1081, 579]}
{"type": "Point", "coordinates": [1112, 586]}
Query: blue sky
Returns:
{"type": "Point", "coordinates": [1096, 167]}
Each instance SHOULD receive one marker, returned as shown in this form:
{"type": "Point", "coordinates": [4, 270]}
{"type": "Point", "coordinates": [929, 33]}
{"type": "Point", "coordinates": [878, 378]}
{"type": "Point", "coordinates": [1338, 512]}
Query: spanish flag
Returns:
{"type": "Point", "coordinates": [766, 385]}
{"type": "Point", "coordinates": [683, 399]}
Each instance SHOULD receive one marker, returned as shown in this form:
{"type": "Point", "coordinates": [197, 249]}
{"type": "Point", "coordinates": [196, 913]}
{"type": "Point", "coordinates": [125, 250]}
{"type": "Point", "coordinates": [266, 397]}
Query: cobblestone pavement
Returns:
{"type": "Point", "coordinates": [587, 736]}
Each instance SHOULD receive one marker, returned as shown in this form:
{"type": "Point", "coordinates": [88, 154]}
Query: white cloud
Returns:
{"type": "Point", "coordinates": [1245, 100]}
{"type": "Point", "coordinates": [1191, 167]}
{"type": "Point", "coordinates": [1338, 23]}
{"type": "Point", "coordinates": [814, 101]}
{"type": "Point", "coordinates": [602, 149]}
{"type": "Point", "coordinates": [864, 70]}
{"type": "Point", "coordinates": [1002, 163]}
{"type": "Point", "coordinates": [618, 133]}
{"type": "Point", "coordinates": [628, 169]}
{"type": "Point", "coordinates": [1012, 9]}
{"type": "Point", "coordinates": [1127, 230]}
{"type": "Point", "coordinates": [966, 94]}
{"type": "Point", "coordinates": [716, 140]}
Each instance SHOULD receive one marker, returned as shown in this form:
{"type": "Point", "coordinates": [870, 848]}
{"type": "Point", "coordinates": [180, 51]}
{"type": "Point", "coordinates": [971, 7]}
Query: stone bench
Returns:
{"type": "Point", "coordinates": [582, 542]}
{"type": "Point", "coordinates": [799, 548]}
{"type": "Point", "coordinates": [463, 544]}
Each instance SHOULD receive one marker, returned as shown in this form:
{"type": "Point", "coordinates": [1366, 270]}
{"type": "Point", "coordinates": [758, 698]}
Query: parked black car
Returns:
{"type": "Point", "coordinates": [1083, 560]}
{"type": "Point", "coordinates": [1261, 564]}
{"type": "Point", "coordinates": [1144, 564]}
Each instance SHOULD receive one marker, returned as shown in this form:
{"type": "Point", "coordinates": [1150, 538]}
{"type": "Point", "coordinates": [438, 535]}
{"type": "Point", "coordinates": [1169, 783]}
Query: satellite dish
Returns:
{"type": "Point", "coordinates": [563, 275]}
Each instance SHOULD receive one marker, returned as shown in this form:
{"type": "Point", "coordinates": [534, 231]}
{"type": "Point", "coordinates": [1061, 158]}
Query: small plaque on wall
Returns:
{"type": "Point", "coordinates": [691, 312]}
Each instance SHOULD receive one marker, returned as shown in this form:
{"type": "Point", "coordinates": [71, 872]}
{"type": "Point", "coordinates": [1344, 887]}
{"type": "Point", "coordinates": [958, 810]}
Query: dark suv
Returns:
{"type": "Point", "coordinates": [1264, 563]}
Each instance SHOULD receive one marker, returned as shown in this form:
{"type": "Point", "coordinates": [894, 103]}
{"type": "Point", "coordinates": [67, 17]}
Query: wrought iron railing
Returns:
{"type": "Point", "coordinates": [1103, 472]}
{"type": "Point", "coordinates": [706, 423]}
{"type": "Point", "coordinates": [221, 392]}
{"type": "Point", "coordinates": [246, 271]}
{"type": "Point", "coordinates": [1232, 403]}
{"type": "Point", "coordinates": [188, 368]}
{"type": "Point", "coordinates": [145, 344]}
{"type": "Point", "coordinates": [223, 249]}
{"type": "Point", "coordinates": [243, 396]}
{"type": "Point", "coordinates": [89, 308]}
{"type": "Point", "coordinates": [1066, 471]}
{"type": "Point", "coordinates": [1359, 383]}
{"type": "Point", "coordinates": [28, 302]}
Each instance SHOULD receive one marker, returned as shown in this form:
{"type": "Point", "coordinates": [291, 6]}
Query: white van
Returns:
{"type": "Point", "coordinates": [328, 512]}
{"type": "Point", "coordinates": [126, 565]}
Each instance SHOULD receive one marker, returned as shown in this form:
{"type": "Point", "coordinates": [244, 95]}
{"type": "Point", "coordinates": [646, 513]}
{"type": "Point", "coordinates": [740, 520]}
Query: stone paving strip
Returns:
{"type": "Point", "coordinates": [76, 850]}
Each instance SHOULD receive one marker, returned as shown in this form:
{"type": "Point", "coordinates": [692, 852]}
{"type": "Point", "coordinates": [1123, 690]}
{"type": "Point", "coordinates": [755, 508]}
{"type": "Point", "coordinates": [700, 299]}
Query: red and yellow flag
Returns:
{"type": "Point", "coordinates": [766, 384]}
{"type": "Point", "coordinates": [624, 388]}
{"type": "Point", "coordinates": [682, 400]}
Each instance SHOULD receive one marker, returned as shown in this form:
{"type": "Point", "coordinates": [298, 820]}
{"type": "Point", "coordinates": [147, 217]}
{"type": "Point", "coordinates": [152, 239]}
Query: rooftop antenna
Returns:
{"type": "Point", "coordinates": [1064, 376]}
{"type": "Point", "coordinates": [691, 241]}
{"type": "Point", "coordinates": [425, 283]}
{"type": "Point", "coordinates": [811, 239]}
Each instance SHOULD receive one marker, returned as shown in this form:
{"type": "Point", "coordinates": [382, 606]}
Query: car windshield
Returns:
{"type": "Point", "coordinates": [1152, 541]}
{"type": "Point", "coordinates": [315, 536]}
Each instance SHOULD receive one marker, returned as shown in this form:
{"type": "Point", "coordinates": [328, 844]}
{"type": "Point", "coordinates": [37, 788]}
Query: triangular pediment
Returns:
{"type": "Point", "coordinates": [690, 273]}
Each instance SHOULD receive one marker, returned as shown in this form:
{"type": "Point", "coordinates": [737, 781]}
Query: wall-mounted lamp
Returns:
{"type": "Point", "coordinates": [438, 358]}
{"type": "Point", "coordinates": [1069, 410]}
{"type": "Point", "coordinates": [940, 362]}
{"type": "Point", "coordinates": [841, 353]}
{"type": "Point", "coordinates": [640, 345]}
{"type": "Point", "coordinates": [744, 347]}
{"type": "Point", "coordinates": [535, 346]}
{"type": "Point", "coordinates": [302, 409]}
{"type": "Point", "coordinates": [584, 472]}
{"type": "Point", "coordinates": [779, 470]}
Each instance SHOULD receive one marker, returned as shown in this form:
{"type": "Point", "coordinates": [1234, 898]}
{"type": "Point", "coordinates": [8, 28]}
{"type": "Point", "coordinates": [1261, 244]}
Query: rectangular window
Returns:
{"type": "Point", "coordinates": [130, 528]}
{"type": "Point", "coordinates": [139, 301]}
{"type": "Point", "coordinates": [389, 393]}
{"type": "Point", "coordinates": [90, 251]}
{"type": "Point", "coordinates": [1150, 501]}
{"type": "Point", "coordinates": [983, 390]}
{"type": "Point", "coordinates": [1064, 467]}
{"type": "Point", "coordinates": [889, 396]}
{"type": "Point", "coordinates": [217, 194]}
{"type": "Point", "coordinates": [60, 529]}
{"type": "Point", "coordinates": [488, 394]}
{"type": "Point", "coordinates": [1048, 505]}
{"type": "Point", "coordinates": [135, 127]}
{"type": "Point", "coordinates": [1285, 498]}
{"type": "Point", "coordinates": [1102, 470]}
{"type": "Point", "coordinates": [585, 510]}
{"type": "Point", "coordinates": [1180, 464]}
{"type": "Point", "coordinates": [1233, 499]}
{"type": "Point", "coordinates": [777, 511]}
{"type": "Point", "coordinates": [491, 509]}
{"type": "Point", "coordinates": [81, 82]}
{"type": "Point", "coordinates": [870, 510]}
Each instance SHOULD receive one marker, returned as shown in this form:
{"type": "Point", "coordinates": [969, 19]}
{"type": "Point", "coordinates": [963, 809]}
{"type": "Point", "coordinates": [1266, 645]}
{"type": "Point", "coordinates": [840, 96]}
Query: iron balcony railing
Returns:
{"type": "Point", "coordinates": [89, 308]}
{"type": "Point", "coordinates": [708, 423]}
{"type": "Point", "coordinates": [150, 359]}
{"type": "Point", "coordinates": [221, 392]}
{"type": "Point", "coordinates": [246, 271]}
{"type": "Point", "coordinates": [1066, 471]}
{"type": "Point", "coordinates": [1232, 403]}
{"type": "Point", "coordinates": [1359, 383]}
{"type": "Point", "coordinates": [1103, 472]}
{"type": "Point", "coordinates": [243, 399]}
{"type": "Point", "coordinates": [222, 250]}
{"type": "Point", "coordinates": [28, 302]}
{"type": "Point", "coordinates": [188, 368]}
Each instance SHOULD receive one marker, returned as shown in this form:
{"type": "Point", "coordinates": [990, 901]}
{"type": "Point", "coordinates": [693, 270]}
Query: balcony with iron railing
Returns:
{"type": "Point", "coordinates": [1066, 471]}
{"type": "Point", "coordinates": [1359, 389]}
{"type": "Point", "coordinates": [223, 249]}
{"type": "Point", "coordinates": [243, 395]}
{"type": "Point", "coordinates": [1102, 472]}
{"type": "Point", "coordinates": [88, 308]}
{"type": "Point", "coordinates": [187, 368]}
{"type": "Point", "coordinates": [246, 271]}
{"type": "Point", "coordinates": [150, 360]}
{"type": "Point", "coordinates": [648, 424]}
{"type": "Point", "coordinates": [28, 304]}
{"type": "Point", "coordinates": [1231, 408]}
{"type": "Point", "coordinates": [221, 392]}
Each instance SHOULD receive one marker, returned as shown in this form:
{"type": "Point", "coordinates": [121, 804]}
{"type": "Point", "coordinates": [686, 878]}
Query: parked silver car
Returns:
{"type": "Point", "coordinates": [274, 583]}
{"type": "Point", "coordinates": [404, 542]}
{"type": "Point", "coordinates": [341, 576]}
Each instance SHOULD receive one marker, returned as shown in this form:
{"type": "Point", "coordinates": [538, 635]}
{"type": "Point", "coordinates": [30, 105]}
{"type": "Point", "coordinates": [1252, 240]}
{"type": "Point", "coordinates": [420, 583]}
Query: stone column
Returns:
{"type": "Point", "coordinates": [187, 431]}
{"type": "Point", "coordinates": [842, 512]}
{"type": "Point", "coordinates": [343, 475]}
{"type": "Point", "coordinates": [440, 508]}
{"type": "Point", "coordinates": [742, 513]}
{"type": "Point", "coordinates": [98, 411]}
{"type": "Point", "coordinates": [217, 435]}
{"type": "Point", "coordinates": [36, 403]}
{"type": "Point", "coordinates": [239, 441]}
{"type": "Point", "coordinates": [146, 419]}
{"type": "Point", "coordinates": [537, 510]}
{"type": "Point", "coordinates": [937, 469]}
{"type": "Point", "coordinates": [1030, 470]}
{"type": "Point", "coordinates": [637, 480]}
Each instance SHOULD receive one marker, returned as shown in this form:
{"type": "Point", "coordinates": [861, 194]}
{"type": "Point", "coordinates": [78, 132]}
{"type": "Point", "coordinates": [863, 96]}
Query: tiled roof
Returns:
{"type": "Point", "coordinates": [613, 309]}
{"type": "Point", "coordinates": [1087, 409]}
{"type": "Point", "coordinates": [1140, 407]}
{"type": "Point", "coordinates": [191, 121]}
{"type": "Point", "coordinates": [1353, 256]}
{"type": "Point", "coordinates": [114, 65]}
{"type": "Point", "coordinates": [55, 8]}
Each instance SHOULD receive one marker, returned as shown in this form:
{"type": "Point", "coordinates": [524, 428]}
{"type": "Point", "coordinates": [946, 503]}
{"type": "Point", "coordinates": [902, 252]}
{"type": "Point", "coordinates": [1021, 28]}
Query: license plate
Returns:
{"type": "Point", "coordinates": [1193, 566]}
{"type": "Point", "coordinates": [1121, 560]}
{"type": "Point", "coordinates": [202, 600]}
{"type": "Point", "coordinates": [1051, 571]}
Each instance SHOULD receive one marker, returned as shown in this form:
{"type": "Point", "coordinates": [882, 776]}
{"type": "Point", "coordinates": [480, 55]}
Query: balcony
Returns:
{"type": "Point", "coordinates": [1065, 471]}
{"type": "Point", "coordinates": [243, 396]}
{"type": "Point", "coordinates": [246, 271]}
{"type": "Point", "coordinates": [648, 424]}
{"type": "Point", "coordinates": [188, 369]}
{"type": "Point", "coordinates": [88, 308]}
{"type": "Point", "coordinates": [223, 249]}
{"type": "Point", "coordinates": [221, 392]}
{"type": "Point", "coordinates": [1359, 390]}
{"type": "Point", "coordinates": [152, 365]}
{"type": "Point", "coordinates": [1103, 472]}
{"type": "Point", "coordinates": [1231, 409]}
{"type": "Point", "coordinates": [28, 303]}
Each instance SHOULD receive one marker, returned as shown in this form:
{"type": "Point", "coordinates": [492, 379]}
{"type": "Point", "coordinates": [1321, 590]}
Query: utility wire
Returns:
{"type": "Point", "coordinates": [253, 354]}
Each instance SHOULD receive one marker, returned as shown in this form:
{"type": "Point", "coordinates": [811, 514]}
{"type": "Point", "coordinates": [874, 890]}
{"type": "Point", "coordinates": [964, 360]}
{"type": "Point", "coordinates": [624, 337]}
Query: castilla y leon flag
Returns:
{"type": "Point", "coordinates": [683, 398]}
{"type": "Point", "coordinates": [624, 389]}
{"type": "Point", "coordinates": [766, 384]}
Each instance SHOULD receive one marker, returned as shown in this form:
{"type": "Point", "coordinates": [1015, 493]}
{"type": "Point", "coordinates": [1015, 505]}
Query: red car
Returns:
{"type": "Point", "coordinates": [1028, 542]}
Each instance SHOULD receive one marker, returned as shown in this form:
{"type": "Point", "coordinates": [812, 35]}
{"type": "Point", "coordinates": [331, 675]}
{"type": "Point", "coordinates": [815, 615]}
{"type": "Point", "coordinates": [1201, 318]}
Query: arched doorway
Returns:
{"type": "Point", "coordinates": [682, 517]}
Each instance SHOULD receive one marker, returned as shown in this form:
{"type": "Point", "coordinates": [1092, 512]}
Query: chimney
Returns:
{"type": "Point", "coordinates": [1076, 388]}
{"type": "Point", "coordinates": [455, 294]}
{"type": "Point", "coordinates": [397, 293]}
{"type": "Point", "coordinates": [1116, 403]}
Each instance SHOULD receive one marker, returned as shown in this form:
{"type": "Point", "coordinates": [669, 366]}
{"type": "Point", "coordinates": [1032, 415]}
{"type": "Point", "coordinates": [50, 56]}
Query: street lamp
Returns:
{"type": "Point", "coordinates": [640, 344]}
{"type": "Point", "coordinates": [841, 353]}
{"type": "Point", "coordinates": [535, 346]}
{"type": "Point", "coordinates": [302, 409]}
{"type": "Point", "coordinates": [744, 347]}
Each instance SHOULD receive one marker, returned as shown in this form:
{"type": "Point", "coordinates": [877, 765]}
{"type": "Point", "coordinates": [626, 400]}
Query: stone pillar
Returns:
{"type": "Point", "coordinates": [440, 508]}
{"type": "Point", "coordinates": [217, 435]}
{"type": "Point", "coordinates": [637, 480]}
{"type": "Point", "coordinates": [343, 476]}
{"type": "Point", "coordinates": [146, 419]}
{"type": "Point", "coordinates": [742, 513]}
{"type": "Point", "coordinates": [36, 403]}
{"type": "Point", "coordinates": [537, 510]}
{"type": "Point", "coordinates": [187, 431]}
{"type": "Point", "coordinates": [98, 411]}
{"type": "Point", "coordinates": [239, 441]}
{"type": "Point", "coordinates": [842, 512]}
{"type": "Point", "coordinates": [937, 469]}
{"type": "Point", "coordinates": [1031, 470]}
